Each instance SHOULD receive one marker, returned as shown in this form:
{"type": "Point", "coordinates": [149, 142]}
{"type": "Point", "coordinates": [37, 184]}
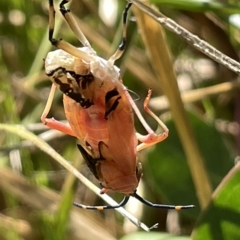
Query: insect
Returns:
{"type": "Point", "coordinates": [99, 111]}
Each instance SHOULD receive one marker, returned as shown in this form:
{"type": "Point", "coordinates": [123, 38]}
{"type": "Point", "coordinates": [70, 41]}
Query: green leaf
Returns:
{"type": "Point", "coordinates": [168, 170]}
{"type": "Point", "coordinates": [221, 220]}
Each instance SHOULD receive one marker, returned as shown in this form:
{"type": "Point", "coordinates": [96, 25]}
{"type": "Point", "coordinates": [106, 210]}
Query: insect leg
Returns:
{"type": "Point", "coordinates": [151, 138]}
{"type": "Point", "coordinates": [150, 204]}
{"type": "Point", "coordinates": [61, 44]}
{"type": "Point", "coordinates": [51, 122]}
{"type": "Point", "coordinates": [121, 204]}
{"type": "Point", "coordinates": [122, 45]}
{"type": "Point", "coordinates": [51, 21]}
{"type": "Point", "coordinates": [73, 25]}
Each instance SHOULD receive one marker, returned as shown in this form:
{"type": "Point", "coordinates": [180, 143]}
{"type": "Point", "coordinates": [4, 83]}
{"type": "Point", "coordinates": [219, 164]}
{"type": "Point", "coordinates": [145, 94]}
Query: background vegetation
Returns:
{"type": "Point", "coordinates": [197, 164]}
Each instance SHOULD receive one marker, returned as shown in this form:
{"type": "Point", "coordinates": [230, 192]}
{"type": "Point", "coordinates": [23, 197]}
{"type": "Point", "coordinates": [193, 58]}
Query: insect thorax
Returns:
{"type": "Point", "coordinates": [78, 78]}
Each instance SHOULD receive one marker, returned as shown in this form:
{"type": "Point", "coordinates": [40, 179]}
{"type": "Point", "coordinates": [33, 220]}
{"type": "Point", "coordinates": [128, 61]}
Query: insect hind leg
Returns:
{"type": "Point", "coordinates": [150, 204]}
{"type": "Point", "coordinates": [99, 208]}
{"type": "Point", "coordinates": [51, 22]}
{"type": "Point", "coordinates": [61, 44]}
{"type": "Point", "coordinates": [122, 45]}
{"type": "Point", "coordinates": [152, 138]}
{"type": "Point", "coordinates": [73, 25]}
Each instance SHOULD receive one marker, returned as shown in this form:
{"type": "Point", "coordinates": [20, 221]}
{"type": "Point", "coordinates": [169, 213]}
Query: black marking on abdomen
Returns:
{"type": "Point", "coordinates": [76, 96]}
{"type": "Point", "coordinates": [74, 85]}
{"type": "Point", "coordinates": [91, 162]}
{"type": "Point", "coordinates": [114, 96]}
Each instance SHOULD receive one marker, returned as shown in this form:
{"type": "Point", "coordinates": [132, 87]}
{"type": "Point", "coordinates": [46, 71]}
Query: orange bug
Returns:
{"type": "Point", "coordinates": [99, 111]}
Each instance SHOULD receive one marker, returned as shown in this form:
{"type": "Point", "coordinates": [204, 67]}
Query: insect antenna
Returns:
{"type": "Point", "coordinates": [137, 97]}
{"type": "Point", "coordinates": [121, 204]}
{"type": "Point", "coordinates": [122, 45]}
{"type": "Point", "coordinates": [144, 201]}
